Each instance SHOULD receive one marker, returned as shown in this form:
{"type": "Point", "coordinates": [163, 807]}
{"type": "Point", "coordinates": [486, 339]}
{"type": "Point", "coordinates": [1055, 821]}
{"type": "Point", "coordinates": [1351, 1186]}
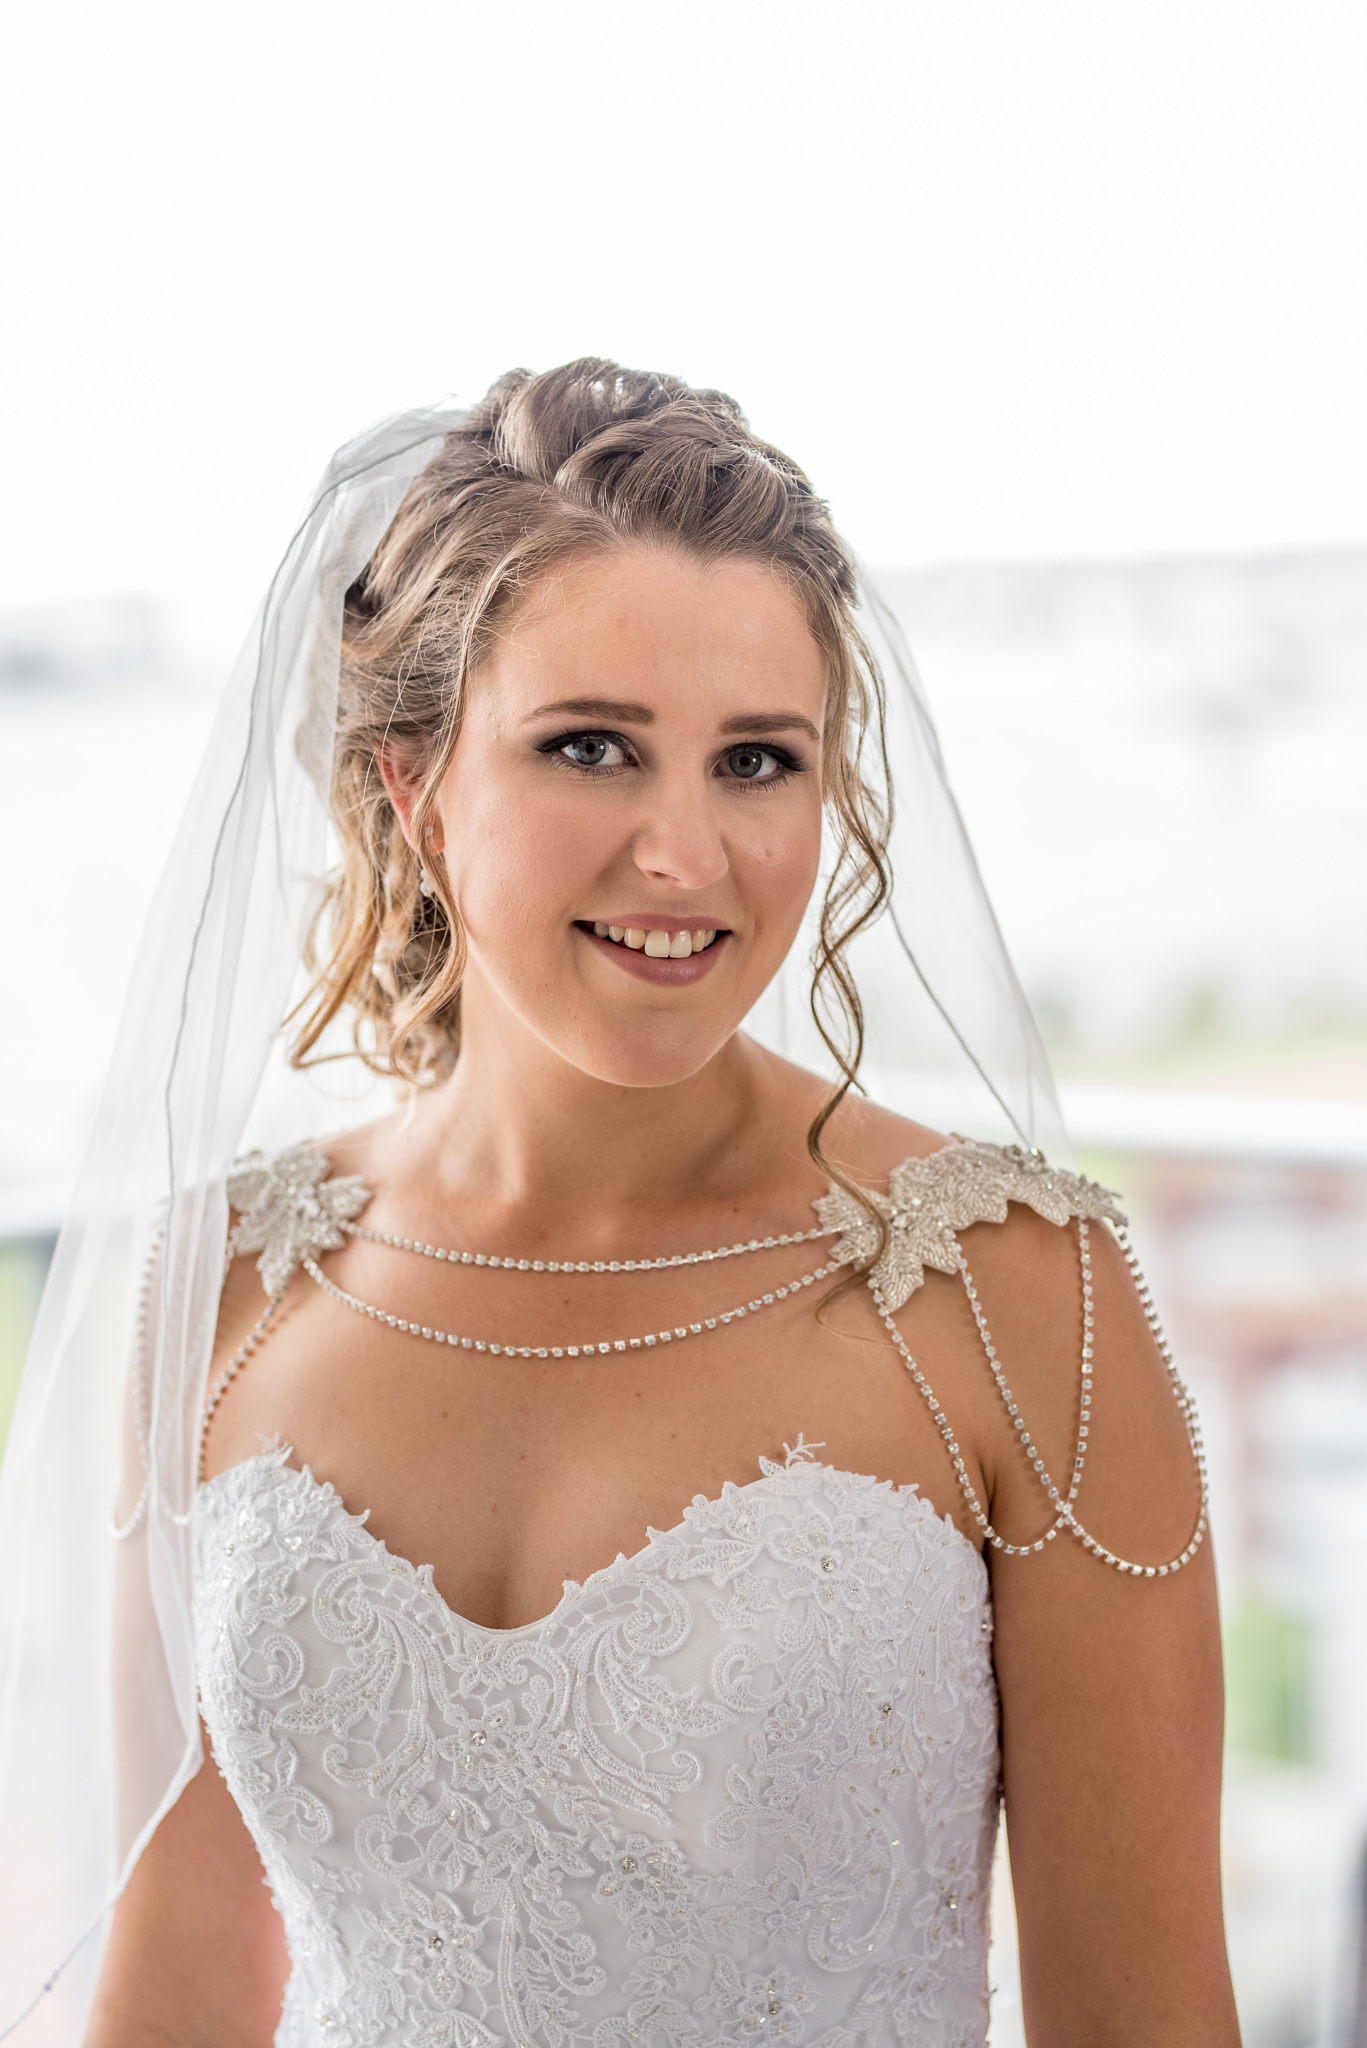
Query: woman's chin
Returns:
{"type": "Point", "coordinates": [644, 1057]}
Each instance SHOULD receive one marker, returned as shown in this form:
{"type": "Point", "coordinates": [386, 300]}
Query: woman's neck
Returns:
{"type": "Point", "coordinates": [537, 1137]}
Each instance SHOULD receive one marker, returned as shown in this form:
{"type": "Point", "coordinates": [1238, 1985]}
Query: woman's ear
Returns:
{"type": "Point", "coordinates": [403, 780]}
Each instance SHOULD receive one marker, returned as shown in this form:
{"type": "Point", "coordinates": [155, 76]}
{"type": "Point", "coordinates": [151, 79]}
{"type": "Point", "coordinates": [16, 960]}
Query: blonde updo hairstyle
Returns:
{"type": "Point", "coordinates": [573, 463]}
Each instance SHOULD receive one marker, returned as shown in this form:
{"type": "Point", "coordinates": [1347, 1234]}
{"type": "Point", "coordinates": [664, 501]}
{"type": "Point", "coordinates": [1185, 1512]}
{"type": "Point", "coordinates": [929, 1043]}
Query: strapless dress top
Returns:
{"type": "Point", "coordinates": [740, 1787]}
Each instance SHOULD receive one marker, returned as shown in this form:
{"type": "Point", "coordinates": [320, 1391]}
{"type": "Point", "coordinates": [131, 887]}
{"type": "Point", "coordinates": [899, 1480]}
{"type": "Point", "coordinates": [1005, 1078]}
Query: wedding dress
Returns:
{"type": "Point", "coordinates": [740, 1786]}
{"type": "Point", "coordinates": [690, 1818]}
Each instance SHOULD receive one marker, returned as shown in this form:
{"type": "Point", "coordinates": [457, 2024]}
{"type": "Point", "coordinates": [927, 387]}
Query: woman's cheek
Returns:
{"type": "Point", "coordinates": [522, 861]}
{"type": "Point", "coordinates": [780, 863]}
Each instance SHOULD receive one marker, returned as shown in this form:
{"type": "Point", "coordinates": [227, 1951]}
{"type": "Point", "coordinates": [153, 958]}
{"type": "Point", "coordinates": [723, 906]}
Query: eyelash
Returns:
{"type": "Point", "coordinates": [788, 763]}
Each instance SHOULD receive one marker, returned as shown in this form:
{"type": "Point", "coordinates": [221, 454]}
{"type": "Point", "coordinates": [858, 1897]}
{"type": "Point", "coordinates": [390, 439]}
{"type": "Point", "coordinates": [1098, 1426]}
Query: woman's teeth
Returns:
{"type": "Point", "coordinates": [658, 945]}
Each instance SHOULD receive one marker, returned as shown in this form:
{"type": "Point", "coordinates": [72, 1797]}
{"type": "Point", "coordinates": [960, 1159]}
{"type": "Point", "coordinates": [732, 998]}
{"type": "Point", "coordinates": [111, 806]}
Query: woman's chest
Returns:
{"type": "Point", "coordinates": [509, 1474]}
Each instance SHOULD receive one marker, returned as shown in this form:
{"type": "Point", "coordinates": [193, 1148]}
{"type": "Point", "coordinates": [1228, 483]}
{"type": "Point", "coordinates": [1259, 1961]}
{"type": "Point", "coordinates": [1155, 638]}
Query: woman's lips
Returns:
{"type": "Point", "coordinates": [666, 972]}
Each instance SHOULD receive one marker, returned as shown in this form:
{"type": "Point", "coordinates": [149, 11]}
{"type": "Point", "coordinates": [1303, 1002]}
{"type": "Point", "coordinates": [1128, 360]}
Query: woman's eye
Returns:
{"type": "Point", "coordinates": [754, 764]}
{"type": "Point", "coordinates": [594, 750]}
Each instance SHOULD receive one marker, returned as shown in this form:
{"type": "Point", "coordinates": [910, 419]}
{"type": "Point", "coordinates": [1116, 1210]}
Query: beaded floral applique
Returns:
{"type": "Point", "coordinates": [291, 1209]}
{"type": "Point", "coordinates": [930, 1199]}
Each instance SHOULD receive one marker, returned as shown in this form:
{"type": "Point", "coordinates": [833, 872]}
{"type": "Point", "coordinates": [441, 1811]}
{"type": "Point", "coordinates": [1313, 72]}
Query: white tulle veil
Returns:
{"type": "Point", "coordinates": [95, 1633]}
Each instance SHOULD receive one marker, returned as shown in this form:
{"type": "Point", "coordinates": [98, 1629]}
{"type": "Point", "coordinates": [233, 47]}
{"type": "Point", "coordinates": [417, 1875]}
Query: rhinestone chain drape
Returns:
{"type": "Point", "coordinates": [1038, 1181]}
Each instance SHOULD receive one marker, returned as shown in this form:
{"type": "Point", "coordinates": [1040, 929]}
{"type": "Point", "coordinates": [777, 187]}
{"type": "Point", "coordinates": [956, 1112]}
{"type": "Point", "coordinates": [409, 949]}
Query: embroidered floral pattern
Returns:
{"type": "Point", "coordinates": [742, 1786]}
{"type": "Point", "coordinates": [290, 1209]}
{"type": "Point", "coordinates": [929, 1200]}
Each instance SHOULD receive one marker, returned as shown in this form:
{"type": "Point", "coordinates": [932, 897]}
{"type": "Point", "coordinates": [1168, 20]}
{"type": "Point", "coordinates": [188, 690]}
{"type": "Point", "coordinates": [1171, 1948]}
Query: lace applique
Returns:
{"type": "Point", "coordinates": [290, 1209]}
{"type": "Point", "coordinates": [931, 1199]}
{"type": "Point", "coordinates": [743, 1785]}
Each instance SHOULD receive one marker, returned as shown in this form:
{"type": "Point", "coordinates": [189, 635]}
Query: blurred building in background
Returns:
{"type": "Point", "coordinates": [1162, 767]}
{"type": "Point", "coordinates": [1162, 770]}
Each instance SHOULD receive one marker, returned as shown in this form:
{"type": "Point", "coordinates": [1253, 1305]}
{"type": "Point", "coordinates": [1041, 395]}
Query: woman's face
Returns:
{"type": "Point", "coordinates": [631, 821]}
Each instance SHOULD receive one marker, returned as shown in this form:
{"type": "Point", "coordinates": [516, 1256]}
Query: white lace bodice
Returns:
{"type": "Point", "coordinates": [741, 1786]}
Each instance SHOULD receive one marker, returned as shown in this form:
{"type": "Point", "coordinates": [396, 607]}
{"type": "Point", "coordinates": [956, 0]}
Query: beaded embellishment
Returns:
{"type": "Point", "coordinates": [290, 1211]}
{"type": "Point", "coordinates": [930, 1199]}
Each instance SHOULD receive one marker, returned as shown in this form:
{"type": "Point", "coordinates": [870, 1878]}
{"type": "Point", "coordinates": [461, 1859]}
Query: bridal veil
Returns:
{"type": "Point", "coordinates": [99, 1726]}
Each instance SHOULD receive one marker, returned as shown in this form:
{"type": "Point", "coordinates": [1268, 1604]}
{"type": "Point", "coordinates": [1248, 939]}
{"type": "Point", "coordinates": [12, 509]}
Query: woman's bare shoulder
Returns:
{"type": "Point", "coordinates": [362, 1149]}
{"type": "Point", "coordinates": [867, 1141]}
{"type": "Point", "coordinates": [1082, 1355]}
{"type": "Point", "coordinates": [1046, 1271]}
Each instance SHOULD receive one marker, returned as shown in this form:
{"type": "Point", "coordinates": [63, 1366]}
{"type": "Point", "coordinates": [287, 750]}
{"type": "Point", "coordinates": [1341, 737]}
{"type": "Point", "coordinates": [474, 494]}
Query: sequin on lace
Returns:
{"type": "Point", "coordinates": [742, 1786]}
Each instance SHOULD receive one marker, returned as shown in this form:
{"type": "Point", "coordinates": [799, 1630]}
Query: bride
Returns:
{"type": "Point", "coordinates": [638, 1505]}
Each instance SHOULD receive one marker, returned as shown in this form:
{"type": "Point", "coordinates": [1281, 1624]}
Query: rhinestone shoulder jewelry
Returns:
{"type": "Point", "coordinates": [291, 1210]}
{"type": "Point", "coordinates": [930, 1200]}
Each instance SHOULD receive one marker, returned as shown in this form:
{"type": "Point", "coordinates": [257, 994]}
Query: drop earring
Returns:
{"type": "Point", "coordinates": [424, 879]}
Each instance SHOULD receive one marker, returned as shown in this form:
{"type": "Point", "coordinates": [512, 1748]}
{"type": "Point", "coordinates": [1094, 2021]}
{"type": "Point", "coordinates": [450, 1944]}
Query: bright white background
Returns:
{"type": "Point", "coordinates": [1018, 280]}
{"type": "Point", "coordinates": [1013, 278]}
{"type": "Point", "coordinates": [1030, 281]}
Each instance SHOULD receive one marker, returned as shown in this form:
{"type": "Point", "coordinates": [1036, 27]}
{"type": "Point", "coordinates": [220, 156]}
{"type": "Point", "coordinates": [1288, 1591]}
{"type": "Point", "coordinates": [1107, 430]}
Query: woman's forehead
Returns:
{"type": "Point", "coordinates": [657, 621]}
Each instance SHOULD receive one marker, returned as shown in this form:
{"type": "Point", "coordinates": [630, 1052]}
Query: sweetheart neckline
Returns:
{"type": "Point", "coordinates": [574, 1589]}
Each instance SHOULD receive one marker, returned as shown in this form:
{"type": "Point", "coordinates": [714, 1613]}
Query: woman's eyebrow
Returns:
{"type": "Point", "coordinates": [771, 721]}
{"type": "Point", "coordinates": [625, 713]}
{"type": "Point", "coordinates": [595, 707]}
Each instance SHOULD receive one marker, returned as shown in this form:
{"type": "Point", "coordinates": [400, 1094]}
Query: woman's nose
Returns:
{"type": "Point", "coordinates": [680, 841]}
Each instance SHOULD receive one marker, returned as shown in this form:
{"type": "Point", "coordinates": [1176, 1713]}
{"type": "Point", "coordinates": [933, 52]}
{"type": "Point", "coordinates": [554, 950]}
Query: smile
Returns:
{"type": "Point", "coordinates": [656, 945]}
{"type": "Point", "coordinates": [669, 955]}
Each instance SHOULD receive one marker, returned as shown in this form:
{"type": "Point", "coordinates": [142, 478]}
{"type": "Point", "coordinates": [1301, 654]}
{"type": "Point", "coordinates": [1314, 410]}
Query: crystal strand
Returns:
{"type": "Point", "coordinates": [594, 1349]}
{"type": "Point", "coordinates": [1065, 1517]}
{"type": "Point", "coordinates": [138, 1395]}
{"type": "Point", "coordinates": [1008, 1399]}
{"type": "Point", "coordinates": [1187, 1409]}
{"type": "Point", "coordinates": [1085, 1400]}
{"type": "Point", "coordinates": [491, 1259]}
{"type": "Point", "coordinates": [951, 1446]}
{"type": "Point", "coordinates": [233, 1368]}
